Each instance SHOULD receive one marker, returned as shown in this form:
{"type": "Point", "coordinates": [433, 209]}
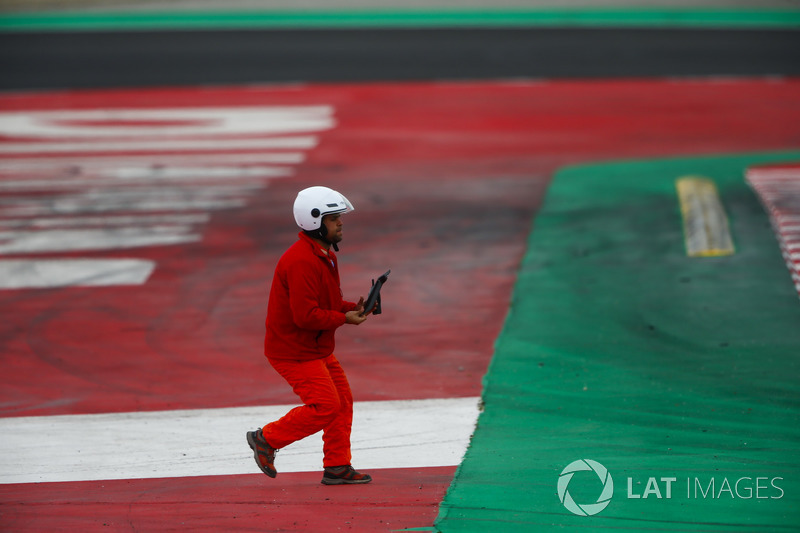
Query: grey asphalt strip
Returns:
{"type": "Point", "coordinates": [105, 59]}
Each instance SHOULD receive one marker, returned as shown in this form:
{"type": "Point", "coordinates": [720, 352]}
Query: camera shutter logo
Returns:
{"type": "Point", "coordinates": [585, 509]}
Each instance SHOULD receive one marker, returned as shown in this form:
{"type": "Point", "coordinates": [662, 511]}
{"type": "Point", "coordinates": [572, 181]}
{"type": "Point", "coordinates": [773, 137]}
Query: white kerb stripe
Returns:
{"type": "Point", "coordinates": [203, 442]}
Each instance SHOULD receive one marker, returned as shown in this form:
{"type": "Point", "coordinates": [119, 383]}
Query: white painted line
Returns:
{"type": "Point", "coordinates": [136, 200]}
{"type": "Point", "coordinates": [774, 176]}
{"type": "Point", "coordinates": [50, 273]}
{"type": "Point", "coordinates": [107, 205]}
{"type": "Point", "coordinates": [252, 176]}
{"type": "Point", "coordinates": [169, 189]}
{"type": "Point", "coordinates": [69, 240]}
{"type": "Point", "coordinates": [118, 160]}
{"type": "Point", "coordinates": [165, 122]}
{"type": "Point", "coordinates": [165, 145]}
{"type": "Point", "coordinates": [389, 434]}
{"type": "Point", "coordinates": [788, 228]}
{"type": "Point", "coordinates": [187, 173]}
{"type": "Point", "coordinates": [105, 221]}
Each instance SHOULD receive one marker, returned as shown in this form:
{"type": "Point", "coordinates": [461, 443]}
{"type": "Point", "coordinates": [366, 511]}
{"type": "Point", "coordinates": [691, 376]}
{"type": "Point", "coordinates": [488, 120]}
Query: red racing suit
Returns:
{"type": "Point", "coordinates": [305, 309]}
{"type": "Point", "coordinates": [305, 303]}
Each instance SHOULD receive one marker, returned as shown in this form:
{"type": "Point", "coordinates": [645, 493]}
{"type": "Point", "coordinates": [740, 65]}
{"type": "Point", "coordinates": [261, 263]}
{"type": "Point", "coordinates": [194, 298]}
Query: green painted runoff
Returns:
{"type": "Point", "coordinates": [678, 375]}
{"type": "Point", "coordinates": [395, 18]}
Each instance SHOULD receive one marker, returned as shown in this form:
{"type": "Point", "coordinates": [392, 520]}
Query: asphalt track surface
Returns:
{"type": "Point", "coordinates": [104, 59]}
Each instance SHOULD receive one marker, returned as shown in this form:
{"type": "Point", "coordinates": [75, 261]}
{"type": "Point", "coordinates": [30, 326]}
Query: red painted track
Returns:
{"type": "Point", "coordinates": [397, 499]}
{"type": "Point", "coordinates": [445, 179]}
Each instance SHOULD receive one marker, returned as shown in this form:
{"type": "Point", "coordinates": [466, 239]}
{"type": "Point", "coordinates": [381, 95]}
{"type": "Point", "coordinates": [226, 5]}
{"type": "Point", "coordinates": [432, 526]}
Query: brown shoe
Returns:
{"type": "Point", "coordinates": [343, 475]}
{"type": "Point", "coordinates": [264, 453]}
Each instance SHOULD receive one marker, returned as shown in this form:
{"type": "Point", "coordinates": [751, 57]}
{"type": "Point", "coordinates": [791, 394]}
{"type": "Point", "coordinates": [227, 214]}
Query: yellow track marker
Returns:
{"type": "Point", "coordinates": [705, 224]}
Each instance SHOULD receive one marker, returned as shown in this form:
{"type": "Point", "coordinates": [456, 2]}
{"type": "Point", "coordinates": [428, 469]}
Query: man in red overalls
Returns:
{"type": "Point", "coordinates": [305, 309]}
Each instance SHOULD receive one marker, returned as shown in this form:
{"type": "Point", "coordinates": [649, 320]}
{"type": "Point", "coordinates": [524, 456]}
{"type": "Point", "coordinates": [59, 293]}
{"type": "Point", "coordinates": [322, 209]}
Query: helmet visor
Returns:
{"type": "Point", "coordinates": [342, 206]}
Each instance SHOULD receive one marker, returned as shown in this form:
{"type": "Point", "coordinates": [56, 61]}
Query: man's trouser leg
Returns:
{"type": "Point", "coordinates": [336, 436]}
{"type": "Point", "coordinates": [328, 405]}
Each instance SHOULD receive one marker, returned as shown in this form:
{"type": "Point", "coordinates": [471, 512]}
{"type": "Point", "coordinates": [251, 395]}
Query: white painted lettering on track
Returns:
{"type": "Point", "coordinates": [101, 166]}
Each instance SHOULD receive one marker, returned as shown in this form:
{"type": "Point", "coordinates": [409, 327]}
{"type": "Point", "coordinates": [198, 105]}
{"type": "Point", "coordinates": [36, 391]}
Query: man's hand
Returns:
{"type": "Point", "coordinates": [356, 316]}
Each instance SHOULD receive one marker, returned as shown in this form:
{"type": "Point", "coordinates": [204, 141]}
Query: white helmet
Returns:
{"type": "Point", "coordinates": [314, 203]}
